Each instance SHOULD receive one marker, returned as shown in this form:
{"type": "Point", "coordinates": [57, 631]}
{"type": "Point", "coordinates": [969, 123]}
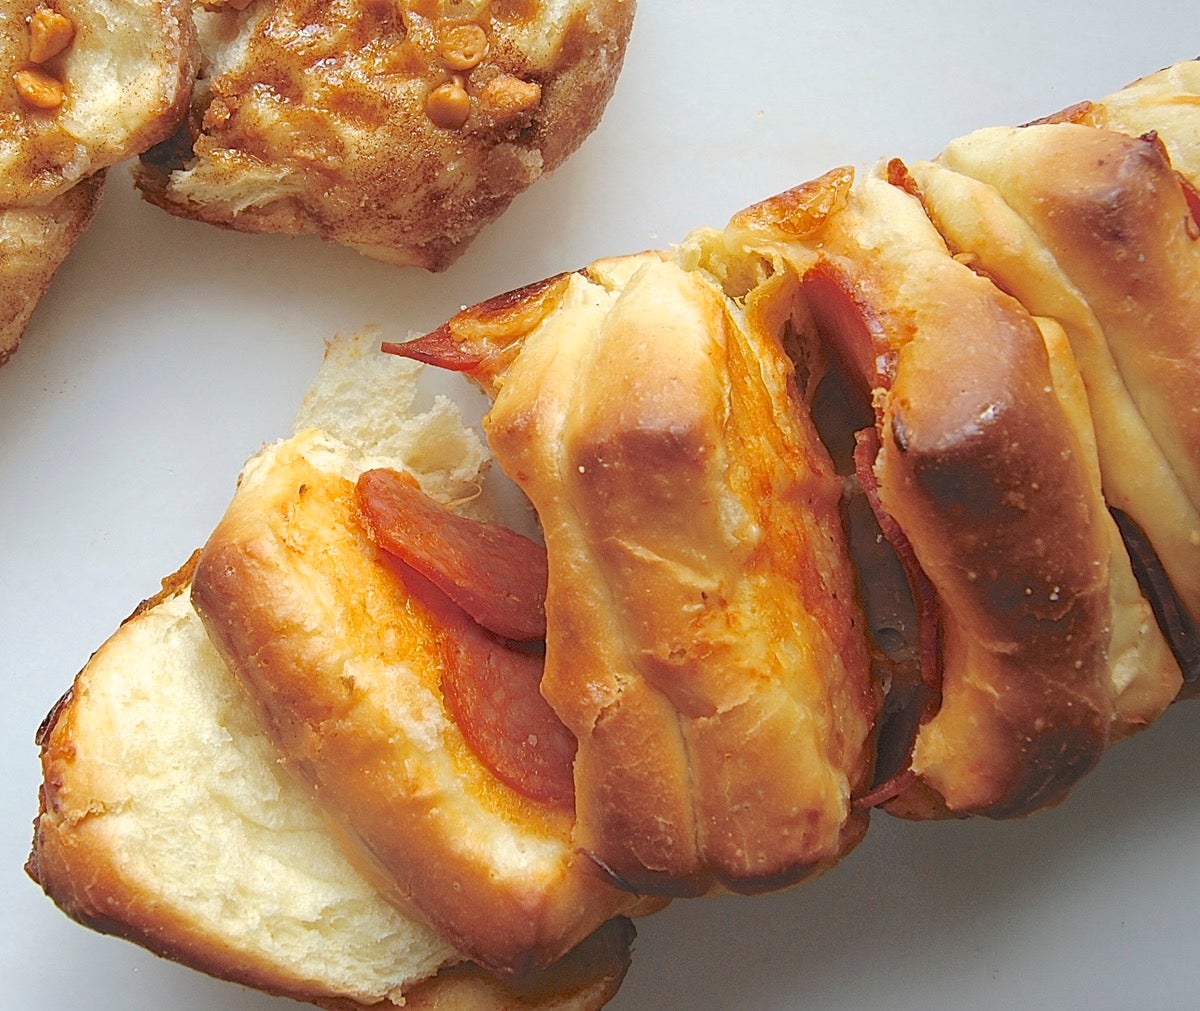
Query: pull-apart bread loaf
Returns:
{"type": "Point", "coordinates": [1030, 639]}
{"type": "Point", "coordinates": [397, 128]}
{"type": "Point", "coordinates": [167, 817]}
{"type": "Point", "coordinates": [882, 495]}
{"type": "Point", "coordinates": [84, 85]}
{"type": "Point", "coordinates": [1040, 646]}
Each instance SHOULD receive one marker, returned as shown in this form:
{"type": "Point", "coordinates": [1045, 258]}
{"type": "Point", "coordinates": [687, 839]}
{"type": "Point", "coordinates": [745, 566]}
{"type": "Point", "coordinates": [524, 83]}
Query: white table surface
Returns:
{"type": "Point", "coordinates": [168, 351]}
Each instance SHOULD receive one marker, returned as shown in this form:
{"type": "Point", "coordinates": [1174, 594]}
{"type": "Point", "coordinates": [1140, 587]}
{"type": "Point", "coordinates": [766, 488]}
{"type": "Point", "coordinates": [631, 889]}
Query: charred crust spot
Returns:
{"type": "Point", "coordinates": [42, 737]}
{"type": "Point", "coordinates": [1080, 112]}
{"type": "Point", "coordinates": [1051, 762]}
{"type": "Point", "coordinates": [1119, 180]}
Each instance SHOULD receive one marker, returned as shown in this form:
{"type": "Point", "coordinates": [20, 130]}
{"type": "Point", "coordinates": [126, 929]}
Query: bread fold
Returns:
{"type": "Point", "coordinates": [168, 817]}
{"type": "Point", "coordinates": [705, 642]}
{"type": "Point", "coordinates": [989, 477]}
{"type": "Point", "coordinates": [340, 653]}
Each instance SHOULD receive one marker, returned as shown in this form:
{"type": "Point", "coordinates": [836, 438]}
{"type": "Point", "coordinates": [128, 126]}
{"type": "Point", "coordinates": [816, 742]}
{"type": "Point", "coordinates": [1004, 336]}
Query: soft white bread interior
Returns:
{"type": "Point", "coordinates": [398, 129]}
{"type": "Point", "coordinates": [167, 817]}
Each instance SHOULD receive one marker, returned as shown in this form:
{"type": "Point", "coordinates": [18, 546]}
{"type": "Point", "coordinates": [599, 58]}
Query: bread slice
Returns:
{"type": "Point", "coordinates": [166, 816]}
{"type": "Point", "coordinates": [400, 131]}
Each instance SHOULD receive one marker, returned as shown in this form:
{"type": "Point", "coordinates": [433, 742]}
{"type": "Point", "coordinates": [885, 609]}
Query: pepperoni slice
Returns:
{"type": "Point", "coordinates": [483, 339]}
{"type": "Point", "coordinates": [439, 348]}
{"type": "Point", "coordinates": [1181, 631]}
{"type": "Point", "coordinates": [492, 690]}
{"type": "Point", "coordinates": [855, 332]}
{"type": "Point", "coordinates": [494, 574]}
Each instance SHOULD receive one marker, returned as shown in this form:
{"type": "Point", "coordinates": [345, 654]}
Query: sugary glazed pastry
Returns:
{"type": "Point", "coordinates": [34, 241]}
{"type": "Point", "coordinates": [704, 641]}
{"type": "Point", "coordinates": [83, 85]}
{"type": "Point", "coordinates": [399, 129]}
{"type": "Point", "coordinates": [158, 737]}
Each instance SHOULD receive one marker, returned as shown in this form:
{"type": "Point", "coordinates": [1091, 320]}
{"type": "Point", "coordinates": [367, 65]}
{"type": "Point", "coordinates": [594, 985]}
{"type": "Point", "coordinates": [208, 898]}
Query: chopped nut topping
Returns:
{"type": "Point", "coordinates": [49, 34]}
{"type": "Point", "coordinates": [448, 106]}
{"type": "Point", "coordinates": [39, 89]}
{"type": "Point", "coordinates": [463, 46]}
{"type": "Point", "coordinates": [507, 96]}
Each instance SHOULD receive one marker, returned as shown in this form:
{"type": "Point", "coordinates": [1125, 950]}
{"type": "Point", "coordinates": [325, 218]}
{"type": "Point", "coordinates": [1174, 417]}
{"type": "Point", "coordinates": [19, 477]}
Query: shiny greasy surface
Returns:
{"type": "Point", "coordinates": [344, 661]}
{"type": "Point", "coordinates": [704, 641]}
{"type": "Point", "coordinates": [981, 467]}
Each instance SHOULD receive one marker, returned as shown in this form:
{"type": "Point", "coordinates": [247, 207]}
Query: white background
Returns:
{"type": "Point", "coordinates": [167, 351]}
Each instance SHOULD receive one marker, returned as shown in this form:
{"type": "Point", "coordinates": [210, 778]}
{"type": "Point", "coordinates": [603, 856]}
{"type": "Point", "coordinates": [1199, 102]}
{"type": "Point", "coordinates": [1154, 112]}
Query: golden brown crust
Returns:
{"type": "Point", "coordinates": [342, 661]}
{"type": "Point", "coordinates": [89, 849]}
{"type": "Point", "coordinates": [979, 466]}
{"type": "Point", "coordinates": [1115, 222]}
{"type": "Point", "coordinates": [1132, 474]}
{"type": "Point", "coordinates": [1166, 103]}
{"type": "Point", "coordinates": [985, 481]}
{"type": "Point", "coordinates": [705, 643]}
{"type": "Point", "coordinates": [34, 242]}
{"type": "Point", "coordinates": [99, 849]}
{"type": "Point", "coordinates": [381, 131]}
